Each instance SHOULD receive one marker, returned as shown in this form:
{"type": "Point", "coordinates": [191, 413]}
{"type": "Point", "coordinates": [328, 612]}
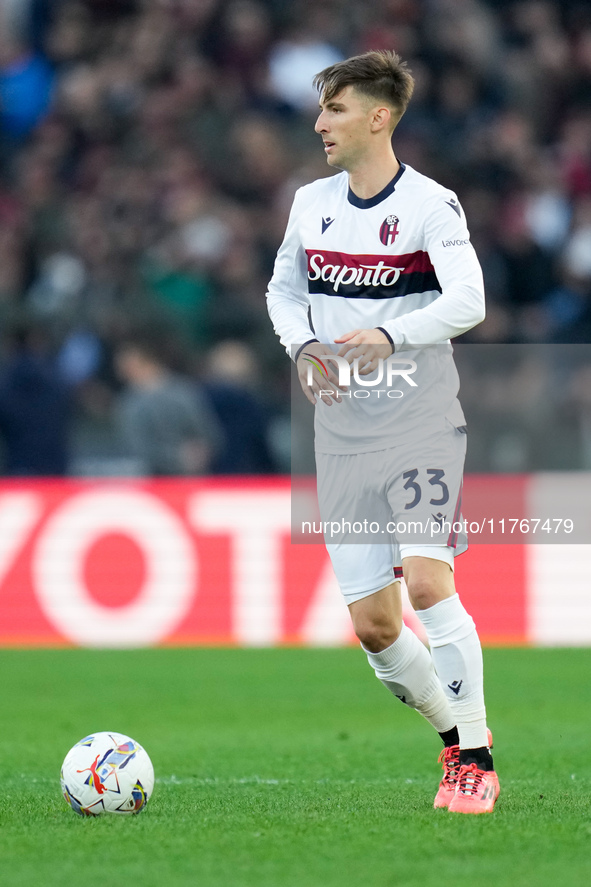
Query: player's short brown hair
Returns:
{"type": "Point", "coordinates": [379, 74]}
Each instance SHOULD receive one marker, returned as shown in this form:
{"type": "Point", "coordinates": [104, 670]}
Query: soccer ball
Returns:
{"type": "Point", "coordinates": [107, 773]}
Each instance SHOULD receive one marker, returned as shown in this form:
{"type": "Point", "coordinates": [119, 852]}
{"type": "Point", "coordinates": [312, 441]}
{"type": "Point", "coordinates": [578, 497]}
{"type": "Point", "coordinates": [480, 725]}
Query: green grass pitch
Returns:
{"type": "Point", "coordinates": [290, 767]}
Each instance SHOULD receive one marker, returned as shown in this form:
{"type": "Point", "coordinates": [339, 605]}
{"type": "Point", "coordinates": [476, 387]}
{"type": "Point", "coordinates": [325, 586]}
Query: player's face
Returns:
{"type": "Point", "coordinates": [344, 123]}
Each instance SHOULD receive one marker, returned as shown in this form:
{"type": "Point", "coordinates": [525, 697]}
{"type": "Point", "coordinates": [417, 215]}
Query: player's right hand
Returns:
{"type": "Point", "coordinates": [312, 366]}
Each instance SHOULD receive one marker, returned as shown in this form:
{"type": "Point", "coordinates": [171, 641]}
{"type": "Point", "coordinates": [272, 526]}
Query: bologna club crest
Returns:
{"type": "Point", "coordinates": [389, 230]}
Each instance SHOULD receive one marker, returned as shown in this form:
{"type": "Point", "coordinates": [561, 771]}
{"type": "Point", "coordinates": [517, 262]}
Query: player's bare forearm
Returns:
{"type": "Point", "coordinates": [316, 375]}
{"type": "Point", "coordinates": [369, 346]}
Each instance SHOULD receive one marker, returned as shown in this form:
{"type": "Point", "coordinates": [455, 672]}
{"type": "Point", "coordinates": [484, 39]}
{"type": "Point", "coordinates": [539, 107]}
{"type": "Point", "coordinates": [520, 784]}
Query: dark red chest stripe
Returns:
{"type": "Point", "coordinates": [417, 261]}
{"type": "Point", "coordinates": [370, 276]}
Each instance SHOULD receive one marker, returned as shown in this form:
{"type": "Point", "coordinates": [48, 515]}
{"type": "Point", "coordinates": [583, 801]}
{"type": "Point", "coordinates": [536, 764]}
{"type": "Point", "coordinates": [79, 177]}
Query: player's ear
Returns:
{"type": "Point", "coordinates": [381, 118]}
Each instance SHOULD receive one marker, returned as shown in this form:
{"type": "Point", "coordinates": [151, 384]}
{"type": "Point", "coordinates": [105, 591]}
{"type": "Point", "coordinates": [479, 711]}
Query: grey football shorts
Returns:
{"type": "Point", "coordinates": [378, 508]}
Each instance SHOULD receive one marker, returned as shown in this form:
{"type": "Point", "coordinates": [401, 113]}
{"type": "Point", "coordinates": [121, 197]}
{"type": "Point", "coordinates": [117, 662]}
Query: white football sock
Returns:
{"type": "Point", "coordinates": [457, 655]}
{"type": "Point", "coordinates": [406, 669]}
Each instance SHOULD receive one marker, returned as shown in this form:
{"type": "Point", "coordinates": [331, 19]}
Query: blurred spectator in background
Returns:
{"type": "Point", "coordinates": [26, 78]}
{"type": "Point", "coordinates": [565, 313]}
{"type": "Point", "coordinates": [35, 407]}
{"type": "Point", "coordinates": [232, 384]}
{"type": "Point", "coordinates": [306, 49]}
{"type": "Point", "coordinates": [165, 421]}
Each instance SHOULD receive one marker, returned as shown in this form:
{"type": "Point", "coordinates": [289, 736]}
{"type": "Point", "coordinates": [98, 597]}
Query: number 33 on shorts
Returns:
{"type": "Point", "coordinates": [435, 478]}
{"type": "Point", "coordinates": [425, 498]}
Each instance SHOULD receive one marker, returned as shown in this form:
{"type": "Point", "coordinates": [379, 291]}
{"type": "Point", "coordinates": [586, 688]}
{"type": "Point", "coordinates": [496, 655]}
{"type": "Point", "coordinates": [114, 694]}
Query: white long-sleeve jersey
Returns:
{"type": "Point", "coordinates": [401, 261]}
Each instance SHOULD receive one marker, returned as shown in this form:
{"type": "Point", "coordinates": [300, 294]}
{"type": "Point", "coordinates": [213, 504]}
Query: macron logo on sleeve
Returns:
{"type": "Point", "coordinates": [455, 206]}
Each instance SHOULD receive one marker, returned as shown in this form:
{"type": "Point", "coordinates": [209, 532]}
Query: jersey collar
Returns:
{"type": "Point", "coordinates": [362, 203]}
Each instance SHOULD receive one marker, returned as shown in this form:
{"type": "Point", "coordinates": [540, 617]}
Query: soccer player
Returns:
{"type": "Point", "coordinates": [378, 261]}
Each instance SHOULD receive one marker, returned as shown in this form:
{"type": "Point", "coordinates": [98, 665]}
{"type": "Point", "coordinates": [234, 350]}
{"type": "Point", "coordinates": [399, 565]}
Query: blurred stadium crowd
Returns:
{"type": "Point", "coordinates": [149, 153]}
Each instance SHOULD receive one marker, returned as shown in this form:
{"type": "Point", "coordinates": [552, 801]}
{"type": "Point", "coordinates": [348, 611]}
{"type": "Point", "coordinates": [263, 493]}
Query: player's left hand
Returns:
{"type": "Point", "coordinates": [367, 345]}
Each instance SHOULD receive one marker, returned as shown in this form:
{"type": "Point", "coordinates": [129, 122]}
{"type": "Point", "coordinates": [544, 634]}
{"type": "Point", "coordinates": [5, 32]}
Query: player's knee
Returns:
{"type": "Point", "coordinates": [425, 592]}
{"type": "Point", "coordinates": [376, 637]}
